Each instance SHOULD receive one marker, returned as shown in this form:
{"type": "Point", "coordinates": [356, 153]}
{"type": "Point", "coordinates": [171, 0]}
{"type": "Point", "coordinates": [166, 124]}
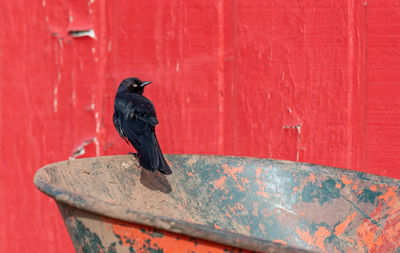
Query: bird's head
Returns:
{"type": "Point", "coordinates": [134, 85]}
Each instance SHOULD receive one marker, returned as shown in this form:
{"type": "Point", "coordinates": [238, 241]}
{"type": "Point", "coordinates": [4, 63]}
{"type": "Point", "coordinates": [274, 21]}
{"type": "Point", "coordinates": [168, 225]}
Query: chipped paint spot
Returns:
{"type": "Point", "coordinates": [80, 150]}
{"type": "Point", "coordinates": [82, 33]}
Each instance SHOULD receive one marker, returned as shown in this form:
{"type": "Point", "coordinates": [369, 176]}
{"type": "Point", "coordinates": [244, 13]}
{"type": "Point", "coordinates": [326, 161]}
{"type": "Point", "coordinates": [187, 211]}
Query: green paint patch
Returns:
{"type": "Point", "coordinates": [86, 240]}
{"type": "Point", "coordinates": [147, 247]}
{"type": "Point", "coordinates": [112, 248]}
{"type": "Point", "coordinates": [368, 196]}
{"type": "Point", "coordinates": [153, 233]}
{"type": "Point", "coordinates": [323, 193]}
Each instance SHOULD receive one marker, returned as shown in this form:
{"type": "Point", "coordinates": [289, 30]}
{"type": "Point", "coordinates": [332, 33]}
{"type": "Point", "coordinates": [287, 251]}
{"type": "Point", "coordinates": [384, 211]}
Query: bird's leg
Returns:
{"type": "Point", "coordinates": [135, 155]}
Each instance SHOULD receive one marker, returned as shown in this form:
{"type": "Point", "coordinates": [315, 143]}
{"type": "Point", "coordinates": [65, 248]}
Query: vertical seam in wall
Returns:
{"type": "Point", "coordinates": [99, 109]}
{"type": "Point", "coordinates": [358, 84]}
{"type": "Point", "coordinates": [235, 78]}
{"type": "Point", "coordinates": [350, 77]}
{"type": "Point", "coordinates": [364, 153]}
{"type": "Point", "coordinates": [220, 75]}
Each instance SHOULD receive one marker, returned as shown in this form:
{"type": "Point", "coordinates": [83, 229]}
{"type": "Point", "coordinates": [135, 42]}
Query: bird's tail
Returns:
{"type": "Point", "coordinates": [163, 166]}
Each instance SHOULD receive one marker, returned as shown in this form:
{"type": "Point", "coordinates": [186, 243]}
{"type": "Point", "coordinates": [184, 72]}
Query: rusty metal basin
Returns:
{"type": "Point", "coordinates": [222, 204]}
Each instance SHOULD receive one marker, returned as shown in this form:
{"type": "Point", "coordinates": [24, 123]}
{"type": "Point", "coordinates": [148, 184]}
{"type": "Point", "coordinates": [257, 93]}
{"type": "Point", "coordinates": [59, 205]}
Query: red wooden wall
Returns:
{"type": "Point", "coordinates": [312, 81]}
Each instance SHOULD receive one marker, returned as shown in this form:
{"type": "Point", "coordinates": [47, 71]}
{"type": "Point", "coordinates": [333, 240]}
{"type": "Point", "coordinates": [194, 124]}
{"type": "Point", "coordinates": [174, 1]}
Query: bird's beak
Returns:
{"type": "Point", "coordinates": [145, 83]}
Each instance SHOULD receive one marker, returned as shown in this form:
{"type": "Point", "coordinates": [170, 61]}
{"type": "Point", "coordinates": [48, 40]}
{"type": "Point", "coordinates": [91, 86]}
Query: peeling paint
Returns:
{"type": "Point", "coordinates": [80, 150]}
{"type": "Point", "coordinates": [83, 33]}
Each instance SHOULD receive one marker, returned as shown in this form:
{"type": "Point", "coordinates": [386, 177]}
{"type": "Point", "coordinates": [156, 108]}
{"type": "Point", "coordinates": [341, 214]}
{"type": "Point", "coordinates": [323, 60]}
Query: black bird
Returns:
{"type": "Point", "coordinates": [135, 120]}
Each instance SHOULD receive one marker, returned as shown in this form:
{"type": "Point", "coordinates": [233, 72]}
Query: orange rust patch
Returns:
{"type": "Point", "coordinates": [317, 240]}
{"type": "Point", "coordinates": [345, 180]}
{"type": "Point", "coordinates": [384, 237]}
{"type": "Point", "coordinates": [232, 171]}
{"type": "Point", "coordinates": [319, 237]}
{"type": "Point", "coordinates": [140, 239]}
{"type": "Point", "coordinates": [342, 226]}
{"type": "Point", "coordinates": [258, 171]}
{"type": "Point", "coordinates": [355, 187]}
{"type": "Point", "coordinates": [280, 241]}
{"type": "Point", "coordinates": [305, 236]}
{"type": "Point", "coordinates": [390, 194]}
{"type": "Point", "coordinates": [338, 185]}
{"type": "Point", "coordinates": [263, 194]}
{"type": "Point", "coordinates": [220, 182]}
{"type": "Point", "coordinates": [373, 188]}
{"type": "Point", "coordinates": [312, 177]}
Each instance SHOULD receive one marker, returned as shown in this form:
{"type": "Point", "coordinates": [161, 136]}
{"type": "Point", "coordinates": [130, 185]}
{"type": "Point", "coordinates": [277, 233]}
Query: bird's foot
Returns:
{"type": "Point", "coordinates": [134, 155]}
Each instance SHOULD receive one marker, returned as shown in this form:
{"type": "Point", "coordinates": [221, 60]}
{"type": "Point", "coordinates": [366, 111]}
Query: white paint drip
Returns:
{"type": "Point", "coordinates": [73, 98]}
{"type": "Point", "coordinates": [96, 142]}
{"type": "Point", "coordinates": [96, 115]}
{"type": "Point", "coordinates": [177, 67]}
{"type": "Point", "coordinates": [55, 102]}
{"type": "Point", "coordinates": [58, 76]}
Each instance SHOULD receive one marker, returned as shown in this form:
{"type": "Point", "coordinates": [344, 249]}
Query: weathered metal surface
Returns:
{"type": "Point", "coordinates": [247, 203]}
{"type": "Point", "coordinates": [94, 233]}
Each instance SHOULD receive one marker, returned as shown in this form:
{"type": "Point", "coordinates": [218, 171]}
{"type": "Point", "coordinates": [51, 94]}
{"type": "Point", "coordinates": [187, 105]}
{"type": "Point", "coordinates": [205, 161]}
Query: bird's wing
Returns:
{"type": "Point", "coordinates": [139, 107]}
{"type": "Point", "coordinates": [117, 124]}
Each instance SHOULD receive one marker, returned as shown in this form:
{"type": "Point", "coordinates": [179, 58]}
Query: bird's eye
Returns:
{"type": "Point", "coordinates": [134, 85]}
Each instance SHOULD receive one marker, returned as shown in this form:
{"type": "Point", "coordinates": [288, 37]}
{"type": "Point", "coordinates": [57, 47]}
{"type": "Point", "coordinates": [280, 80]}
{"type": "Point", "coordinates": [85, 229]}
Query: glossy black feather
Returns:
{"type": "Point", "coordinates": [135, 120]}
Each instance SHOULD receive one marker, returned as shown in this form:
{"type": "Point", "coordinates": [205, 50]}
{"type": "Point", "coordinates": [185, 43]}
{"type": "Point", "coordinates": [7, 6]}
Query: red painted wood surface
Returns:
{"type": "Point", "coordinates": [312, 81]}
